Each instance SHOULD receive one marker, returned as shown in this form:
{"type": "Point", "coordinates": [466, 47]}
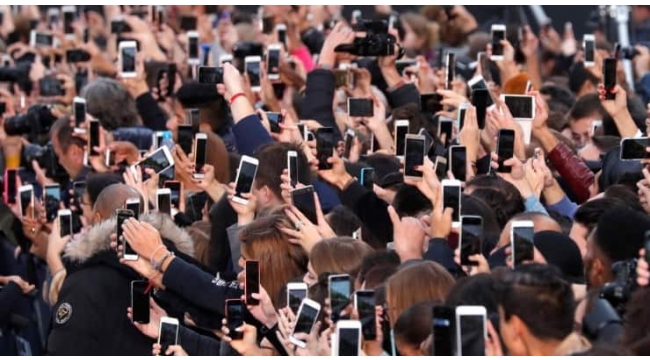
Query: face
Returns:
{"type": "Point", "coordinates": [72, 160]}
{"type": "Point", "coordinates": [87, 209]}
{"type": "Point", "coordinates": [310, 278]}
{"type": "Point", "coordinates": [406, 349]}
{"type": "Point", "coordinates": [581, 131]}
{"type": "Point", "coordinates": [579, 235]}
{"type": "Point", "coordinates": [594, 265]}
{"type": "Point", "coordinates": [411, 39]}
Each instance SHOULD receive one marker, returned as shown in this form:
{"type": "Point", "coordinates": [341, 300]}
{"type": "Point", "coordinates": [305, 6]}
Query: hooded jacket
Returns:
{"type": "Point", "coordinates": [89, 317]}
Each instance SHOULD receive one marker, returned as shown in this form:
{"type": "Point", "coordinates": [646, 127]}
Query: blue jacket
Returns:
{"type": "Point", "coordinates": [141, 137]}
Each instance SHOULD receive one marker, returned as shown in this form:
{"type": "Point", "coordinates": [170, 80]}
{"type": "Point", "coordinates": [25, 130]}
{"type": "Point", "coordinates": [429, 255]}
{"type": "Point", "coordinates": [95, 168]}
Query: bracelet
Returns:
{"type": "Point", "coordinates": [156, 251]}
{"type": "Point", "coordinates": [158, 265]}
{"type": "Point", "coordinates": [234, 97]}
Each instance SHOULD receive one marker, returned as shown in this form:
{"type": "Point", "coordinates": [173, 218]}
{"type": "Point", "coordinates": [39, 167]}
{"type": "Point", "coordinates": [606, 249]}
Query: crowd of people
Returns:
{"type": "Point", "coordinates": [312, 184]}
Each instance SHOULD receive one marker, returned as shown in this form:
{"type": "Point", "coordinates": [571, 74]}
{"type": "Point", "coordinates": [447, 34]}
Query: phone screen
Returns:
{"type": "Point", "coordinates": [253, 71]}
{"type": "Point", "coordinates": [366, 310]}
{"type": "Point", "coordinates": [368, 178]}
{"type": "Point", "coordinates": [461, 117]}
{"type": "Point", "coordinates": [235, 316]}
{"type": "Point", "coordinates": [497, 36]}
{"type": "Point", "coordinates": [52, 201]}
{"type": "Point", "coordinates": [324, 147]}
{"type": "Point", "coordinates": [11, 185]}
{"type": "Point", "coordinates": [93, 139]}
{"type": "Point", "coordinates": [185, 137]}
{"type": "Point", "coordinates": [348, 342]}
{"type": "Point", "coordinates": [446, 128]}
{"type": "Point", "coordinates": [459, 162]}
{"type": "Point", "coordinates": [140, 301]}
{"type": "Point", "coordinates": [360, 107]}
{"type": "Point", "coordinates": [632, 149]}
{"type": "Point", "coordinates": [505, 148]}
{"type": "Point", "coordinates": [609, 77]}
{"type": "Point", "coordinates": [303, 199]}
{"type": "Point", "coordinates": [414, 157]}
{"type": "Point", "coordinates": [430, 103]}
{"type": "Point", "coordinates": [175, 188]}
{"type": "Point", "coordinates": [306, 319]}
{"type": "Point", "coordinates": [472, 335]}
{"type": "Point", "coordinates": [521, 107]}
{"type": "Point", "coordinates": [245, 178]}
{"type": "Point", "coordinates": [400, 140]}
{"type": "Point", "coordinates": [252, 281]}
{"type": "Point", "coordinates": [44, 39]}
{"type": "Point", "coordinates": [275, 118]}
{"type": "Point", "coordinates": [65, 222]}
{"type": "Point", "coordinates": [589, 50]}
{"type": "Point", "coordinates": [201, 154]}
{"type": "Point", "coordinates": [68, 19]}
{"type": "Point", "coordinates": [193, 47]}
{"type": "Point", "coordinates": [164, 203]}
{"type": "Point", "coordinates": [210, 75]}
{"type": "Point", "coordinates": [471, 238]}
{"type": "Point", "coordinates": [339, 289]}
{"type": "Point", "coordinates": [26, 200]}
{"type": "Point", "coordinates": [128, 59]}
{"type": "Point", "coordinates": [273, 66]}
{"type": "Point", "coordinates": [443, 331]}
{"type": "Point", "coordinates": [168, 335]}
{"type": "Point", "coordinates": [450, 70]}
{"type": "Point", "coordinates": [349, 137]}
{"type": "Point", "coordinates": [122, 216]}
{"type": "Point", "coordinates": [79, 113]}
{"type": "Point", "coordinates": [157, 161]}
{"type": "Point", "coordinates": [295, 299]}
{"type": "Point", "coordinates": [451, 199]}
{"type": "Point", "coordinates": [293, 169]}
{"type": "Point", "coordinates": [282, 35]}
{"type": "Point", "coordinates": [480, 101]}
{"type": "Point", "coordinates": [523, 243]}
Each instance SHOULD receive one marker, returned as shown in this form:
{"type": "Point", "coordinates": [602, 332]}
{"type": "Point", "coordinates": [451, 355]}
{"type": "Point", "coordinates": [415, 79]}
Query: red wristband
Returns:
{"type": "Point", "coordinates": [234, 97]}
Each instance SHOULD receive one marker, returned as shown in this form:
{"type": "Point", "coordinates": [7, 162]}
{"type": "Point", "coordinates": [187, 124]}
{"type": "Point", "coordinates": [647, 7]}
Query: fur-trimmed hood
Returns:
{"type": "Point", "coordinates": [97, 239]}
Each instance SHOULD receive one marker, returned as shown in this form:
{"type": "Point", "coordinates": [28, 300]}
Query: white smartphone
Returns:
{"type": "Point", "coordinates": [79, 109]}
{"type": "Point", "coordinates": [64, 217]}
{"type": "Point", "coordinates": [167, 333]}
{"type": "Point", "coordinates": [305, 319]}
{"type": "Point", "coordinates": [451, 193]}
{"type": "Point", "coordinates": [292, 167]}
{"type": "Point", "coordinates": [520, 106]}
{"type": "Point", "coordinates": [273, 55]}
{"type": "Point", "coordinates": [589, 48]}
{"type": "Point", "coordinates": [200, 152]}
{"type": "Point", "coordinates": [348, 140]}
{"type": "Point", "coordinates": [522, 241]}
{"type": "Point", "coordinates": [401, 129]}
{"type": "Point", "coordinates": [414, 153]}
{"type": "Point", "coordinates": [109, 157]}
{"type": "Point", "coordinates": [159, 160]}
{"type": "Point", "coordinates": [595, 125]}
{"type": "Point", "coordinates": [460, 118]}
{"type": "Point", "coordinates": [296, 292]}
{"type": "Point", "coordinates": [127, 52]}
{"type": "Point", "coordinates": [470, 321]}
{"type": "Point", "coordinates": [164, 201]}
{"type": "Point", "coordinates": [69, 14]}
{"type": "Point", "coordinates": [498, 33]}
{"type": "Point", "coordinates": [40, 39]}
{"type": "Point", "coordinates": [281, 30]}
{"type": "Point", "coordinates": [26, 196]}
{"type": "Point", "coordinates": [252, 66]}
{"type": "Point", "coordinates": [348, 336]}
{"type": "Point", "coordinates": [157, 139]}
{"type": "Point", "coordinates": [245, 177]}
{"type": "Point", "coordinates": [193, 48]}
{"type": "Point", "coordinates": [226, 58]}
{"type": "Point", "coordinates": [356, 16]}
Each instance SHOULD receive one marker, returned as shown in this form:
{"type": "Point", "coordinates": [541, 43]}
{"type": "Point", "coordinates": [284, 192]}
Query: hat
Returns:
{"type": "Point", "coordinates": [620, 233]}
{"type": "Point", "coordinates": [561, 251]}
{"type": "Point", "coordinates": [194, 94]}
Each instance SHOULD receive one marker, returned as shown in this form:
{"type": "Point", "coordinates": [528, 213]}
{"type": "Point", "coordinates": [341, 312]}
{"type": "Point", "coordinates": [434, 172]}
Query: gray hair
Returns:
{"type": "Point", "coordinates": [109, 101]}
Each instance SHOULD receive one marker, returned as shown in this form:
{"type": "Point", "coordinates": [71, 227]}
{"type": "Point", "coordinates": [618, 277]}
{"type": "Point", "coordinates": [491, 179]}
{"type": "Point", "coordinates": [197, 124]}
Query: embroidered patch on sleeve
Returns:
{"type": "Point", "coordinates": [63, 313]}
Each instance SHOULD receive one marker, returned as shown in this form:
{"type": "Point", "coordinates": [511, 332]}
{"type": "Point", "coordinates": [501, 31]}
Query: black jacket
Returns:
{"type": "Point", "coordinates": [370, 209]}
{"type": "Point", "coordinates": [317, 103]}
{"type": "Point", "coordinates": [141, 137]}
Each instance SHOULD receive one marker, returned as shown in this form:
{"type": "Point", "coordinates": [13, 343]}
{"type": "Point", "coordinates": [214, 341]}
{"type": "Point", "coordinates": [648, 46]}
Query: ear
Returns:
{"type": "Point", "coordinates": [598, 270]}
{"type": "Point", "coordinates": [97, 218]}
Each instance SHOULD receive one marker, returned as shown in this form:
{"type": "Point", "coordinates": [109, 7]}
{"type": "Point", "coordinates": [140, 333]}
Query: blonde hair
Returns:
{"type": "Point", "coordinates": [423, 28]}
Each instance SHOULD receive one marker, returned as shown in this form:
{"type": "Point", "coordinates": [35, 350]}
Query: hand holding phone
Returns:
{"type": "Point", "coordinates": [505, 149]}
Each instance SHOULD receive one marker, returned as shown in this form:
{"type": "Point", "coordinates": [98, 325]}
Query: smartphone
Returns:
{"type": "Point", "coordinates": [26, 195]}
{"type": "Point", "coordinates": [93, 137]}
{"type": "Point", "coordinates": [305, 319]}
{"type": "Point", "coordinates": [188, 23]}
{"type": "Point", "coordinates": [635, 148]}
{"type": "Point", "coordinates": [339, 294]}
{"type": "Point", "coordinates": [349, 138]}
{"type": "Point", "coordinates": [292, 167]}
{"type": "Point", "coordinates": [458, 162]}
{"type": "Point", "coordinates": [414, 157]}
{"type": "Point", "coordinates": [520, 106]}
{"type": "Point", "coordinates": [119, 26]}
{"type": "Point", "coordinates": [164, 201]}
{"type": "Point", "coordinates": [226, 58]}
{"type": "Point", "coordinates": [609, 77]}
{"type": "Point", "coordinates": [65, 223]}
{"type": "Point", "coordinates": [460, 119]}
{"type": "Point", "coordinates": [200, 154]}
{"type": "Point", "coordinates": [175, 188]}
{"type": "Point", "coordinates": [480, 101]}
{"type": "Point", "coordinates": [11, 182]}
{"type": "Point", "coordinates": [430, 103]}
{"type": "Point", "coordinates": [252, 285]}
{"type": "Point", "coordinates": [167, 333]}
{"type": "Point", "coordinates": [595, 126]}
{"type": "Point", "coordinates": [471, 238]}
{"type": "Point", "coordinates": [281, 29]}
{"type": "Point", "coordinates": [50, 86]}
{"type": "Point", "coordinates": [364, 302]}
{"type": "Point", "coordinates": [348, 335]}
{"type": "Point", "coordinates": [39, 39]}
{"type": "Point", "coordinates": [159, 161]}
{"type": "Point", "coordinates": [324, 147]}
{"type": "Point", "coordinates": [441, 167]}
{"type": "Point", "coordinates": [127, 52]}
{"type": "Point", "coordinates": [134, 205]}
{"type": "Point", "coordinates": [193, 48]}
{"type": "Point", "coordinates": [480, 83]}
{"type": "Point", "coordinates": [140, 301]}
{"type": "Point", "coordinates": [401, 130]}
{"type": "Point", "coordinates": [450, 69]}
{"type": "Point", "coordinates": [275, 119]}
{"type": "Point", "coordinates": [360, 107]}
{"type": "Point", "coordinates": [253, 69]}
{"type": "Point", "coordinates": [303, 199]}
{"type": "Point", "coordinates": [505, 148]}
{"type": "Point", "coordinates": [273, 61]}
{"type": "Point", "coordinates": [235, 310]}
{"type": "Point", "coordinates": [122, 215]}
{"type": "Point", "coordinates": [79, 111]}
{"type": "Point", "coordinates": [69, 13]}
{"type": "Point", "coordinates": [245, 177]}
{"type": "Point", "coordinates": [522, 244]}
{"type": "Point", "coordinates": [403, 64]}
{"type": "Point", "coordinates": [443, 331]}
{"type": "Point", "coordinates": [79, 188]}
{"type": "Point", "coordinates": [428, 140]}
{"type": "Point", "coordinates": [296, 292]}
{"type": "Point", "coordinates": [451, 192]}
{"type": "Point", "coordinates": [52, 201]}
{"type": "Point", "coordinates": [367, 178]}
{"type": "Point", "coordinates": [498, 34]}
{"type": "Point", "coordinates": [185, 135]}
{"type": "Point", "coordinates": [446, 127]}
{"type": "Point", "coordinates": [210, 75]}
{"type": "Point", "coordinates": [589, 46]}
{"type": "Point", "coordinates": [471, 330]}
{"type": "Point", "coordinates": [160, 16]}
{"type": "Point", "coordinates": [356, 16]}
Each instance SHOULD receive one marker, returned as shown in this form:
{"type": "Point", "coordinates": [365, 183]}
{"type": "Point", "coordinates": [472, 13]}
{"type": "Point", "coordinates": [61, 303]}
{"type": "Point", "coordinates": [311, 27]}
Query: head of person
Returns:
{"type": "Point", "coordinates": [477, 290]}
{"type": "Point", "coordinates": [413, 327]}
{"type": "Point", "coordinates": [95, 184]}
{"type": "Point", "coordinates": [640, 13]}
{"type": "Point", "coordinates": [379, 259]}
{"type": "Point", "coordinates": [341, 255]}
{"type": "Point", "coordinates": [541, 222]}
{"type": "Point", "coordinates": [581, 118]}
{"type": "Point", "coordinates": [280, 261]}
{"type": "Point", "coordinates": [68, 148]}
{"type": "Point", "coordinates": [200, 234]}
{"type": "Point", "coordinates": [420, 35]}
{"type": "Point", "coordinates": [586, 218]}
{"type": "Point", "coordinates": [110, 102]}
{"type": "Point", "coordinates": [498, 194]}
{"type": "Point", "coordinates": [216, 156]}
{"type": "Point", "coordinates": [536, 308]}
{"type": "Point", "coordinates": [272, 161]}
{"type": "Point", "coordinates": [343, 221]}
{"type": "Point", "coordinates": [618, 236]}
{"type": "Point", "coordinates": [452, 31]}
{"type": "Point", "coordinates": [433, 284]}
{"type": "Point", "coordinates": [473, 206]}
{"type": "Point", "coordinates": [112, 198]}
{"type": "Point", "coordinates": [637, 318]}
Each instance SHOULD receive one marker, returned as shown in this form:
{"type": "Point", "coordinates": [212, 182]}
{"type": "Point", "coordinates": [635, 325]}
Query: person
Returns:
{"type": "Point", "coordinates": [336, 256]}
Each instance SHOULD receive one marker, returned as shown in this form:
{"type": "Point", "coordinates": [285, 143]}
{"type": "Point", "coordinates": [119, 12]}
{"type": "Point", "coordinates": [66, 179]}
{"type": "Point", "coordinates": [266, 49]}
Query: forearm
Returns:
{"type": "Point", "coordinates": [241, 108]}
{"type": "Point", "coordinates": [54, 262]}
{"type": "Point", "coordinates": [626, 125]}
{"type": "Point", "coordinates": [383, 136]}
{"type": "Point", "coordinates": [391, 76]}
{"type": "Point", "coordinates": [553, 194]}
{"type": "Point", "coordinates": [546, 139]}
{"type": "Point", "coordinates": [215, 190]}
{"type": "Point", "coordinates": [533, 70]}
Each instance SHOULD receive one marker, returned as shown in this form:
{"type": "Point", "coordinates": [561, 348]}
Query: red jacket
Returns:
{"type": "Point", "coordinates": [573, 170]}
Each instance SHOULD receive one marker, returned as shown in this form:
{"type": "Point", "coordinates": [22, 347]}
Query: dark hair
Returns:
{"type": "Point", "coordinates": [474, 290]}
{"type": "Point", "coordinates": [377, 259]}
{"type": "Point", "coordinates": [564, 222]}
{"type": "Point", "coordinates": [491, 229]}
{"type": "Point", "coordinates": [590, 212]}
{"type": "Point", "coordinates": [413, 326]}
{"type": "Point", "coordinates": [110, 103]}
{"type": "Point", "coordinates": [560, 94]}
{"type": "Point", "coordinates": [505, 204]}
{"type": "Point", "coordinates": [272, 159]}
{"type": "Point", "coordinates": [409, 201]}
{"type": "Point", "coordinates": [64, 134]}
{"type": "Point", "coordinates": [586, 106]}
{"type": "Point", "coordinates": [95, 183]}
{"type": "Point", "coordinates": [637, 317]}
{"type": "Point", "coordinates": [625, 195]}
{"type": "Point", "coordinates": [539, 296]}
{"type": "Point", "coordinates": [411, 112]}
{"type": "Point", "coordinates": [343, 221]}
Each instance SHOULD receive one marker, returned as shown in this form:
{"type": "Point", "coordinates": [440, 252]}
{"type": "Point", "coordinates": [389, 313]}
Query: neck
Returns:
{"type": "Point", "coordinates": [75, 172]}
{"type": "Point", "coordinates": [538, 347]}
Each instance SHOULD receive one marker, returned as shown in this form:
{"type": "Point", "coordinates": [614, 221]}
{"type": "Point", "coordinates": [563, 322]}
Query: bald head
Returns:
{"type": "Point", "coordinates": [112, 198]}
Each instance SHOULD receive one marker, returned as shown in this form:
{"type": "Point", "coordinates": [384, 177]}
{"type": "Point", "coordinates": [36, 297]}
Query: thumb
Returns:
{"type": "Point", "coordinates": [393, 215]}
{"type": "Point", "coordinates": [448, 212]}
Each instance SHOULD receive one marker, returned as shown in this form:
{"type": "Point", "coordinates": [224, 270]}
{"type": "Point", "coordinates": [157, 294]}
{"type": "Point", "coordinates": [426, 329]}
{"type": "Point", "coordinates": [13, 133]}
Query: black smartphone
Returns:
{"type": "Point", "coordinates": [140, 301]}
{"type": "Point", "coordinates": [267, 24]}
{"type": "Point", "coordinates": [349, 138]}
{"type": "Point", "coordinates": [401, 130]}
{"type": "Point", "coordinates": [428, 140]}
{"type": "Point", "coordinates": [360, 107]}
{"type": "Point", "coordinates": [414, 156]}
{"type": "Point", "coordinates": [52, 201]}
{"type": "Point", "coordinates": [296, 292]}
{"type": "Point", "coordinates": [235, 310]}
{"type": "Point", "coordinates": [185, 137]}
{"type": "Point", "coordinates": [119, 26]}
{"type": "Point", "coordinates": [210, 75]}
{"type": "Point", "coordinates": [445, 127]}
{"type": "Point", "coordinates": [175, 187]}
{"type": "Point", "coordinates": [443, 331]}
{"type": "Point", "coordinates": [168, 333]}
{"type": "Point", "coordinates": [245, 177]}
{"type": "Point", "coordinates": [11, 188]}
{"type": "Point", "coordinates": [51, 86]}
{"type": "Point", "coordinates": [609, 77]}
{"type": "Point", "coordinates": [303, 199]}
{"type": "Point", "coordinates": [635, 149]}
{"type": "Point", "coordinates": [458, 159]}
{"type": "Point", "coordinates": [275, 119]}
{"type": "Point", "coordinates": [520, 106]}
{"type": "Point", "coordinates": [480, 101]}
{"type": "Point", "coordinates": [188, 22]}
{"type": "Point", "coordinates": [339, 294]}
{"type": "Point", "coordinates": [93, 137]}
{"type": "Point", "coordinates": [76, 56]}
{"type": "Point", "coordinates": [292, 167]}
{"type": "Point", "coordinates": [122, 215]}
{"type": "Point", "coordinates": [367, 178]}
{"type": "Point", "coordinates": [505, 148]}
{"type": "Point", "coordinates": [430, 103]}
{"type": "Point", "coordinates": [171, 78]}
{"type": "Point", "coordinates": [254, 71]}
{"type": "Point", "coordinates": [471, 238]}
{"type": "Point", "coordinates": [252, 281]}
{"type": "Point", "coordinates": [450, 69]}
{"type": "Point", "coordinates": [324, 147]}
{"type": "Point", "coordinates": [441, 167]}
{"type": "Point", "coordinates": [364, 302]}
